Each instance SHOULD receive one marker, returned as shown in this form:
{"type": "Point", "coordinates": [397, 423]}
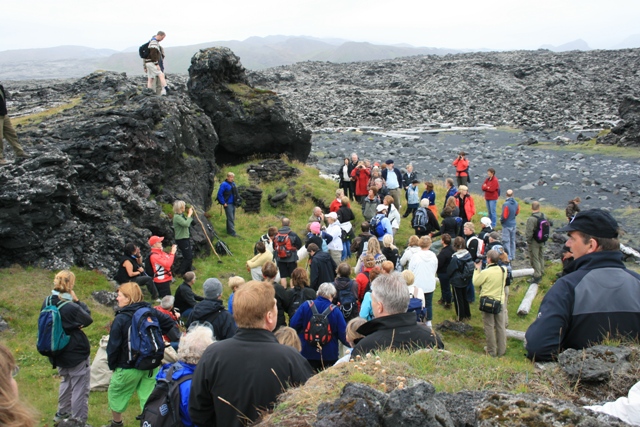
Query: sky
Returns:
{"type": "Point", "coordinates": [457, 24]}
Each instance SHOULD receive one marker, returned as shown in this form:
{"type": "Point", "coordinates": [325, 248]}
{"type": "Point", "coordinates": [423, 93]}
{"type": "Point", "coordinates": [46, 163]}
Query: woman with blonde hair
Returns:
{"type": "Point", "coordinates": [412, 248]}
{"type": "Point", "coordinates": [126, 378]}
{"type": "Point", "coordinates": [73, 362]}
{"type": "Point", "coordinates": [352, 337]}
{"type": "Point", "coordinates": [13, 413]}
{"type": "Point", "coordinates": [288, 336]}
{"type": "Point", "coordinates": [181, 224]}
{"type": "Point", "coordinates": [389, 250]}
{"type": "Point", "coordinates": [192, 345]}
{"type": "Point", "coordinates": [373, 248]}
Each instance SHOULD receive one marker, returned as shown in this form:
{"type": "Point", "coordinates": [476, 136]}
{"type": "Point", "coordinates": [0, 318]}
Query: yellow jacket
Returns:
{"type": "Point", "coordinates": [491, 281]}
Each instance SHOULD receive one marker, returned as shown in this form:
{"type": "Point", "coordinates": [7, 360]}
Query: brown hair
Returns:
{"type": "Point", "coordinates": [132, 291]}
{"type": "Point", "coordinates": [413, 240]}
{"type": "Point", "coordinates": [369, 261]}
{"type": "Point", "coordinates": [344, 270]}
{"type": "Point", "coordinates": [428, 185]}
{"type": "Point", "coordinates": [451, 203]}
{"type": "Point", "coordinates": [459, 243]}
{"type": "Point", "coordinates": [387, 267]}
{"type": "Point", "coordinates": [252, 302]}
{"type": "Point", "coordinates": [288, 336]}
{"type": "Point", "coordinates": [13, 413]}
{"type": "Point", "coordinates": [446, 239]}
{"type": "Point", "coordinates": [260, 247]}
{"type": "Point", "coordinates": [272, 231]}
{"type": "Point", "coordinates": [388, 200]}
{"type": "Point", "coordinates": [64, 281]}
{"type": "Point", "coordinates": [374, 189]}
{"type": "Point", "coordinates": [375, 272]}
{"type": "Point", "coordinates": [425, 242]}
{"type": "Point", "coordinates": [299, 278]}
{"type": "Point", "coordinates": [269, 270]}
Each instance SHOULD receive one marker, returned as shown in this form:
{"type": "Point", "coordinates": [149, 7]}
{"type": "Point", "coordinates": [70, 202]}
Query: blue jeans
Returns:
{"type": "Point", "coordinates": [230, 212]}
{"type": "Point", "coordinates": [428, 305]}
{"type": "Point", "coordinates": [509, 241]}
{"type": "Point", "coordinates": [471, 292]}
{"type": "Point", "coordinates": [346, 250]}
{"type": "Point", "coordinates": [491, 210]}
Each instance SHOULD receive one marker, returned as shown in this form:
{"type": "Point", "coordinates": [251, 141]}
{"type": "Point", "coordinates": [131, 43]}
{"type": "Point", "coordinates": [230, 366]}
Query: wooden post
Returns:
{"type": "Point", "coordinates": [525, 305]}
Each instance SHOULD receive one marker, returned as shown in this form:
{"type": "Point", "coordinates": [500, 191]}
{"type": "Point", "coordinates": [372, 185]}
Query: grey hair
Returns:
{"type": "Point", "coordinates": [424, 203]}
{"type": "Point", "coordinates": [493, 256]}
{"type": "Point", "coordinates": [167, 302]}
{"type": "Point", "coordinates": [194, 343]}
{"type": "Point", "coordinates": [378, 180]}
{"type": "Point", "coordinates": [328, 291]}
{"type": "Point", "coordinates": [391, 290]}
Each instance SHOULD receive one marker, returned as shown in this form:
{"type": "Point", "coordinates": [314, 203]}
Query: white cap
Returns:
{"type": "Point", "coordinates": [332, 215]}
{"type": "Point", "coordinates": [382, 207]}
{"type": "Point", "coordinates": [486, 221]}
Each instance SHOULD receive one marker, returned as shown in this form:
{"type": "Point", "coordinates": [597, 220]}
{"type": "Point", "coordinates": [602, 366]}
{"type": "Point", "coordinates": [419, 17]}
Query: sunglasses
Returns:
{"type": "Point", "coordinates": [15, 371]}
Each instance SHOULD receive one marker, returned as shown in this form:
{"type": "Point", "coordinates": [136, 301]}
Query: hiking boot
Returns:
{"type": "Point", "coordinates": [163, 92]}
{"type": "Point", "coordinates": [441, 302]}
{"type": "Point", "coordinates": [57, 418]}
{"type": "Point", "coordinates": [447, 306]}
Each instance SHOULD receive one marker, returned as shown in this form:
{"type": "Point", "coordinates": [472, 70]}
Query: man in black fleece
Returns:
{"type": "Point", "coordinates": [323, 267]}
{"type": "Point", "coordinates": [212, 310]}
{"type": "Point", "coordinates": [239, 377]}
{"type": "Point", "coordinates": [186, 299]}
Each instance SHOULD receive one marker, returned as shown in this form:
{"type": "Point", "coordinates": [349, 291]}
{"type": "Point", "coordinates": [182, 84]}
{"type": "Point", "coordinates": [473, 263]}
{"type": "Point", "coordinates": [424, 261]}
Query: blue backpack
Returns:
{"type": "Point", "coordinates": [146, 346]}
{"type": "Point", "coordinates": [415, 306]}
{"type": "Point", "coordinates": [375, 226]}
{"type": "Point", "coordinates": [347, 302]}
{"type": "Point", "coordinates": [52, 338]}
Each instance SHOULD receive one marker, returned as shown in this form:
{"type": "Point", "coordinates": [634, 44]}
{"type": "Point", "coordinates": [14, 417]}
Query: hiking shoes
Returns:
{"type": "Point", "coordinates": [447, 306]}
{"type": "Point", "coordinates": [58, 418]}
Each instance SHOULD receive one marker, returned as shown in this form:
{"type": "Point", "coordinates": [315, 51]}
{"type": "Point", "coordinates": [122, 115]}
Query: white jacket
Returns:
{"type": "Point", "coordinates": [424, 264]}
{"type": "Point", "coordinates": [336, 232]}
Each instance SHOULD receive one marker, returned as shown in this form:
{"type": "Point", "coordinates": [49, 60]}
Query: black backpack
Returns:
{"type": "Point", "coordinates": [148, 267]}
{"type": "Point", "coordinates": [347, 302]}
{"type": "Point", "coordinates": [297, 300]}
{"type": "Point", "coordinates": [466, 269]}
{"type": "Point", "coordinates": [144, 51]}
{"type": "Point", "coordinates": [420, 221]}
{"type": "Point", "coordinates": [541, 232]}
{"type": "Point", "coordinates": [318, 330]}
{"type": "Point", "coordinates": [163, 406]}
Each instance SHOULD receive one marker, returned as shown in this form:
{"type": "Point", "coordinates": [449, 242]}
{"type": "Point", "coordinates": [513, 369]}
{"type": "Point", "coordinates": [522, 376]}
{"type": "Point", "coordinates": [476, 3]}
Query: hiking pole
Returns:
{"type": "Point", "coordinates": [207, 236]}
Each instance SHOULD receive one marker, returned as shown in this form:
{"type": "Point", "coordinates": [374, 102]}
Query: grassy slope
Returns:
{"type": "Point", "coordinates": [465, 367]}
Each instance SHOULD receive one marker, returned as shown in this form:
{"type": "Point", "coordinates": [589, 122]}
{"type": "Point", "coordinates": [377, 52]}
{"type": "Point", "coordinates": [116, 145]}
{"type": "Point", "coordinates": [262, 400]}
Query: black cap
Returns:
{"type": "Point", "coordinates": [594, 222]}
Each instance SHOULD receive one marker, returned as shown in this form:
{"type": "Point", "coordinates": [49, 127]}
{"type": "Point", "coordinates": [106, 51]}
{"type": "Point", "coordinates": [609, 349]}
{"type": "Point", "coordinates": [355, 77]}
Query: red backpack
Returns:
{"type": "Point", "coordinates": [283, 246]}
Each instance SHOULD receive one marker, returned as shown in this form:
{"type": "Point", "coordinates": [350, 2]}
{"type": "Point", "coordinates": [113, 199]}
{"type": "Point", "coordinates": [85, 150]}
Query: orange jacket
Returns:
{"type": "Point", "coordinates": [161, 262]}
{"type": "Point", "coordinates": [462, 165]}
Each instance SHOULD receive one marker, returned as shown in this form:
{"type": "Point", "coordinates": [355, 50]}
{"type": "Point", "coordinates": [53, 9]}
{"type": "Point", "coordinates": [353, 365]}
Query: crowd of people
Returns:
{"type": "Point", "coordinates": [306, 308]}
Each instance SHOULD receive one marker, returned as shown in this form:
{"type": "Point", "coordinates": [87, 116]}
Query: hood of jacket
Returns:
{"type": "Point", "coordinates": [342, 283]}
{"type": "Point", "coordinates": [206, 307]}
{"type": "Point", "coordinates": [462, 255]}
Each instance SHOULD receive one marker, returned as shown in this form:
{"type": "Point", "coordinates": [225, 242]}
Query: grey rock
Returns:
{"type": "Point", "coordinates": [357, 406]}
{"type": "Point", "coordinates": [4, 326]}
{"type": "Point", "coordinates": [105, 298]}
{"type": "Point", "coordinates": [594, 364]}
{"type": "Point", "coordinates": [415, 407]}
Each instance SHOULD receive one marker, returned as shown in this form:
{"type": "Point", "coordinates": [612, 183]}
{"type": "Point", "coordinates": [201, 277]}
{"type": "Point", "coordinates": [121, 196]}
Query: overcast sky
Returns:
{"type": "Point", "coordinates": [494, 24]}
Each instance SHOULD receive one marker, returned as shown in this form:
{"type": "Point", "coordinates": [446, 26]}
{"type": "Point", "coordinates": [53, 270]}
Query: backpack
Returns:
{"type": "Point", "coordinates": [52, 338]}
{"type": "Point", "coordinates": [146, 346]}
{"type": "Point", "coordinates": [163, 405]}
{"type": "Point", "coordinates": [459, 224]}
{"type": "Point", "coordinates": [415, 306]}
{"type": "Point", "coordinates": [420, 220]}
{"type": "Point", "coordinates": [466, 270]}
{"type": "Point", "coordinates": [347, 302]}
{"type": "Point", "coordinates": [144, 51]}
{"type": "Point", "coordinates": [148, 267]}
{"type": "Point", "coordinates": [297, 300]}
{"type": "Point", "coordinates": [541, 232]}
{"type": "Point", "coordinates": [283, 246]}
{"type": "Point", "coordinates": [318, 330]}
{"type": "Point", "coordinates": [375, 226]}
{"type": "Point", "coordinates": [480, 249]}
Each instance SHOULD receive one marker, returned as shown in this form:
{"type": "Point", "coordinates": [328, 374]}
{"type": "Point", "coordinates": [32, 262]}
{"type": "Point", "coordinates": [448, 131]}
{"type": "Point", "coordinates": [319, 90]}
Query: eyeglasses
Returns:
{"type": "Point", "coordinates": [15, 371]}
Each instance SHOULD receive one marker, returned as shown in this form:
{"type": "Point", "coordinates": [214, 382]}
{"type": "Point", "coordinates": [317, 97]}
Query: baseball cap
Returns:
{"type": "Point", "coordinates": [155, 239]}
{"type": "Point", "coordinates": [332, 215]}
{"type": "Point", "coordinates": [381, 207]}
{"type": "Point", "coordinates": [389, 162]}
{"type": "Point", "coordinates": [594, 222]}
{"type": "Point", "coordinates": [485, 220]}
{"type": "Point", "coordinates": [315, 227]}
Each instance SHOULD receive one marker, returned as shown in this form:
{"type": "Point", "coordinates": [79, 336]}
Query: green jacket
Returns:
{"type": "Point", "coordinates": [181, 226]}
{"type": "Point", "coordinates": [491, 281]}
{"type": "Point", "coordinates": [532, 222]}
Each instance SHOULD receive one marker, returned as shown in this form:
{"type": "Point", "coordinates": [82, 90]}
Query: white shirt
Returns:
{"type": "Point", "coordinates": [336, 232]}
{"type": "Point", "coordinates": [424, 265]}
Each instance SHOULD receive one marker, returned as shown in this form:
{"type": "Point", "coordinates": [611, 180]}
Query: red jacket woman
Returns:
{"type": "Point", "coordinates": [468, 208]}
{"type": "Point", "coordinates": [361, 175]}
{"type": "Point", "coordinates": [491, 186]}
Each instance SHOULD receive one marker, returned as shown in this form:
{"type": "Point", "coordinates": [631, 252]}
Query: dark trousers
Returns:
{"type": "Point", "coordinates": [445, 287]}
{"type": "Point", "coordinates": [187, 256]}
{"type": "Point", "coordinates": [148, 282]}
{"type": "Point", "coordinates": [462, 305]}
{"type": "Point", "coordinates": [164, 288]}
{"type": "Point", "coordinates": [352, 190]}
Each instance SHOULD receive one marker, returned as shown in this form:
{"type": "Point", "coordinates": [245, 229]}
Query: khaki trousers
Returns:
{"type": "Point", "coordinates": [495, 332]}
{"type": "Point", "coordinates": [9, 133]}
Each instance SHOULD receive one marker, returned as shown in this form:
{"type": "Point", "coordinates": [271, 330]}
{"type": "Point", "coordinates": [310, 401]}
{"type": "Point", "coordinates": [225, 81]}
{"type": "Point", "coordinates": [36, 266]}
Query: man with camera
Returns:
{"type": "Point", "coordinates": [228, 197]}
{"type": "Point", "coordinates": [462, 168]}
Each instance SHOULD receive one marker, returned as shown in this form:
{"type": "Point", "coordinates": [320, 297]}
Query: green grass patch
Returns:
{"type": "Point", "coordinates": [37, 118]}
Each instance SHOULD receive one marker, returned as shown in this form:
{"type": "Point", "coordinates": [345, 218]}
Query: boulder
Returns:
{"type": "Point", "coordinates": [248, 121]}
{"type": "Point", "coordinates": [595, 364]}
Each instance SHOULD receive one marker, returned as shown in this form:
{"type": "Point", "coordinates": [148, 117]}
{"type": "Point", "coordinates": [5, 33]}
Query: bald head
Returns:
{"type": "Point", "coordinates": [509, 193]}
{"type": "Point", "coordinates": [535, 206]}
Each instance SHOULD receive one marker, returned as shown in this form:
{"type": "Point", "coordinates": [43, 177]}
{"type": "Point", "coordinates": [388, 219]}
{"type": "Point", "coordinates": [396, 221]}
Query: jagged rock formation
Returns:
{"type": "Point", "coordinates": [100, 174]}
{"type": "Point", "coordinates": [627, 132]}
{"type": "Point", "coordinates": [248, 121]}
{"type": "Point", "coordinates": [527, 89]}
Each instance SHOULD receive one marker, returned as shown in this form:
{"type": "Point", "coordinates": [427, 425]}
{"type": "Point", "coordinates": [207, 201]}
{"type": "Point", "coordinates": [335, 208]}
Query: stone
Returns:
{"type": "Point", "coordinates": [105, 298]}
{"type": "Point", "coordinates": [248, 121]}
{"type": "Point", "coordinates": [415, 407]}
{"type": "Point", "coordinates": [357, 406]}
{"type": "Point", "coordinates": [594, 364]}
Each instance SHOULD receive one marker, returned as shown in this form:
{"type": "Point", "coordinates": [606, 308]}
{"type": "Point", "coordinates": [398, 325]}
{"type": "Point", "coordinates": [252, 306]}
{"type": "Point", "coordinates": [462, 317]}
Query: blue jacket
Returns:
{"type": "Point", "coordinates": [226, 193]}
{"type": "Point", "coordinates": [180, 371]}
{"type": "Point", "coordinates": [338, 325]}
{"type": "Point", "coordinates": [431, 195]}
{"type": "Point", "coordinates": [598, 298]}
{"type": "Point", "coordinates": [386, 223]}
{"type": "Point", "coordinates": [452, 192]}
{"type": "Point", "coordinates": [412, 195]}
{"type": "Point", "coordinates": [510, 209]}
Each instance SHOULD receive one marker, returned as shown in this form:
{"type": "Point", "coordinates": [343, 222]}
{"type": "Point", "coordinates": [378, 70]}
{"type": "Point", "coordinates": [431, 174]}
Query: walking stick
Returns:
{"type": "Point", "coordinates": [207, 236]}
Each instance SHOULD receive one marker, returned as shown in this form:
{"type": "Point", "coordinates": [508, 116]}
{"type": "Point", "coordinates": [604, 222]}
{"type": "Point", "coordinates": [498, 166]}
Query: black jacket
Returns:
{"type": "Point", "coordinates": [454, 270]}
{"type": "Point", "coordinates": [345, 214]}
{"type": "Point", "coordinates": [185, 298]}
{"type": "Point", "coordinates": [449, 226]}
{"type": "Point", "coordinates": [397, 331]}
{"type": "Point", "coordinates": [444, 258]}
{"type": "Point", "coordinates": [307, 293]}
{"type": "Point", "coordinates": [248, 371]}
{"type": "Point", "coordinates": [117, 348]}
{"type": "Point", "coordinates": [3, 103]}
{"type": "Point", "coordinates": [282, 302]}
{"type": "Point", "coordinates": [213, 311]}
{"type": "Point", "coordinates": [323, 269]}
{"type": "Point", "coordinates": [391, 254]}
{"type": "Point", "coordinates": [357, 246]}
{"type": "Point", "coordinates": [74, 315]}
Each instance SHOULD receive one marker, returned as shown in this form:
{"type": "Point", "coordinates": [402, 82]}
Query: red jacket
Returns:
{"type": "Point", "coordinates": [161, 262]}
{"type": "Point", "coordinates": [362, 176]}
{"type": "Point", "coordinates": [469, 205]}
{"type": "Point", "coordinates": [335, 205]}
{"type": "Point", "coordinates": [362, 280]}
{"type": "Point", "coordinates": [169, 313]}
{"type": "Point", "coordinates": [491, 188]}
{"type": "Point", "coordinates": [462, 165]}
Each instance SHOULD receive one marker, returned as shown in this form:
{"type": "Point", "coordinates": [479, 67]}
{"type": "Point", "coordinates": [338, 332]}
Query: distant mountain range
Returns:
{"type": "Point", "coordinates": [256, 53]}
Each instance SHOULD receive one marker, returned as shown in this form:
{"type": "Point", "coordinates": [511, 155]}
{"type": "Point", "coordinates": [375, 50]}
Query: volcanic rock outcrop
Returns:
{"type": "Point", "coordinates": [627, 132]}
{"type": "Point", "coordinates": [248, 121]}
{"type": "Point", "coordinates": [526, 89]}
{"type": "Point", "coordinates": [101, 173]}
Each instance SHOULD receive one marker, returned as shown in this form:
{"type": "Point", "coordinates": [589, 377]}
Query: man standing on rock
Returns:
{"type": "Point", "coordinates": [597, 299]}
{"type": "Point", "coordinates": [462, 168]}
{"type": "Point", "coordinates": [228, 197]}
{"type": "Point", "coordinates": [535, 247]}
{"type": "Point", "coordinates": [510, 209]}
{"type": "Point", "coordinates": [7, 131]}
{"type": "Point", "coordinates": [393, 178]}
{"type": "Point", "coordinates": [491, 188]}
{"type": "Point", "coordinates": [152, 63]}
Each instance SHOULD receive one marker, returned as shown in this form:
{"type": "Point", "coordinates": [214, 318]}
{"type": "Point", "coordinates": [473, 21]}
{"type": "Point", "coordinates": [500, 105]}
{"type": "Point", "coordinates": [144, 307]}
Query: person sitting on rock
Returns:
{"type": "Point", "coordinates": [393, 327]}
{"type": "Point", "coordinates": [167, 307]}
{"type": "Point", "coordinates": [131, 269]}
{"type": "Point", "coordinates": [186, 299]}
{"type": "Point", "coordinates": [317, 216]}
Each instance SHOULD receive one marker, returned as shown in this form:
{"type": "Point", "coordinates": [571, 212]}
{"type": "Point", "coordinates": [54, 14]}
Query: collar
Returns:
{"type": "Point", "coordinates": [387, 322]}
